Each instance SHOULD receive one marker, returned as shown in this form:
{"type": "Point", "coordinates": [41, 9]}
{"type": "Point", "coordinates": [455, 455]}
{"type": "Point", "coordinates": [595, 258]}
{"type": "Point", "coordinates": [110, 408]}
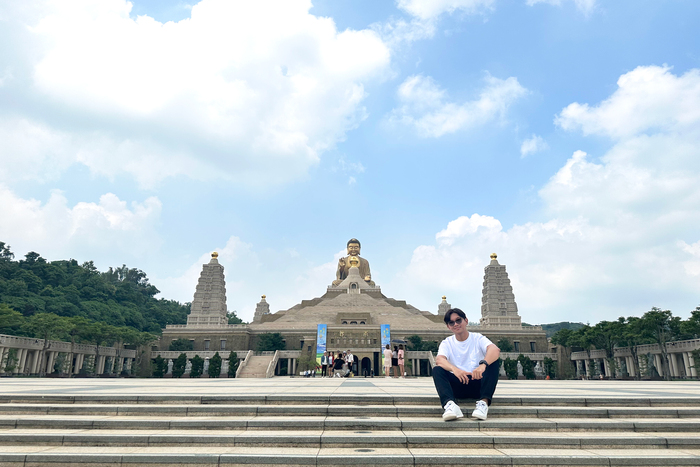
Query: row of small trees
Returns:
{"type": "Point", "coordinates": [76, 329]}
{"type": "Point", "coordinates": [160, 366]}
{"type": "Point", "coordinates": [654, 327]}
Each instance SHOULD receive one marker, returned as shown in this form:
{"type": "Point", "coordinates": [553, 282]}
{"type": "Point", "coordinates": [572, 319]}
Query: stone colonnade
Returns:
{"type": "Point", "coordinates": [29, 356]}
{"type": "Point", "coordinates": [680, 359]}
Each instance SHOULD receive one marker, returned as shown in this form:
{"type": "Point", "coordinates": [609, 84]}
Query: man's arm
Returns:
{"type": "Point", "coordinates": [443, 362]}
{"type": "Point", "coordinates": [492, 354]}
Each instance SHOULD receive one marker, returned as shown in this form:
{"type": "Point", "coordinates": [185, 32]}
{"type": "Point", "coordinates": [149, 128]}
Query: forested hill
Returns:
{"type": "Point", "coordinates": [118, 297]}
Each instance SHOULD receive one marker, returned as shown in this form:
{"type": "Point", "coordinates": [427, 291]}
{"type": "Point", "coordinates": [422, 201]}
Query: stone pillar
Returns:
{"type": "Point", "coordinates": [658, 364]}
{"type": "Point", "coordinates": [3, 351]}
{"type": "Point", "coordinates": [630, 367]}
{"type": "Point", "coordinates": [686, 364]}
{"type": "Point", "coordinates": [79, 360]}
{"type": "Point", "coordinates": [290, 370]}
{"type": "Point", "coordinates": [673, 365]}
{"type": "Point", "coordinates": [37, 360]}
{"type": "Point", "coordinates": [21, 360]}
{"type": "Point", "coordinates": [691, 363]}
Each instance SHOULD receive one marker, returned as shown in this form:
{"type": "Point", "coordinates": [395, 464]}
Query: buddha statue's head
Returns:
{"type": "Point", "coordinates": [353, 247]}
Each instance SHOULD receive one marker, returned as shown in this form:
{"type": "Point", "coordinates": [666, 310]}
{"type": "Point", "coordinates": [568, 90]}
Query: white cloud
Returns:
{"type": "Point", "coordinates": [532, 145]}
{"type": "Point", "coordinates": [426, 109]}
{"type": "Point", "coordinates": [59, 231]}
{"type": "Point", "coordinates": [585, 6]}
{"type": "Point", "coordinates": [246, 87]}
{"type": "Point", "coordinates": [431, 9]}
{"type": "Point", "coordinates": [649, 99]}
{"type": "Point", "coordinates": [620, 233]}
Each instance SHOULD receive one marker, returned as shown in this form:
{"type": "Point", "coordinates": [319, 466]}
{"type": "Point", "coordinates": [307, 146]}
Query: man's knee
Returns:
{"type": "Point", "coordinates": [439, 372]}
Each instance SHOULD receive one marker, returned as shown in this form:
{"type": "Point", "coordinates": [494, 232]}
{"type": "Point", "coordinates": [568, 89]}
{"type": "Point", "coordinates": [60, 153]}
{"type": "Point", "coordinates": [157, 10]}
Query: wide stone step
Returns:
{"type": "Point", "coordinates": [300, 423]}
{"type": "Point", "coordinates": [333, 456]}
{"type": "Point", "coordinates": [347, 399]}
{"type": "Point", "coordinates": [358, 439]}
{"type": "Point", "coordinates": [433, 410]}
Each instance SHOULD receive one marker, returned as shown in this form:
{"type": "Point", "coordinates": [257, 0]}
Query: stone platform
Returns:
{"type": "Point", "coordinates": [315, 421]}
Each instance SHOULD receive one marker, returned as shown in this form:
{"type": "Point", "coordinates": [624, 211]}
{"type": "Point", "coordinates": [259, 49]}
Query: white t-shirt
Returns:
{"type": "Point", "coordinates": [466, 354]}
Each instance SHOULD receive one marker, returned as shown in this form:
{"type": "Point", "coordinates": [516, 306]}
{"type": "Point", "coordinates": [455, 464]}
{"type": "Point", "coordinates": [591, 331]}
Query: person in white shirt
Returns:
{"type": "Point", "coordinates": [350, 359]}
{"type": "Point", "coordinates": [466, 367]}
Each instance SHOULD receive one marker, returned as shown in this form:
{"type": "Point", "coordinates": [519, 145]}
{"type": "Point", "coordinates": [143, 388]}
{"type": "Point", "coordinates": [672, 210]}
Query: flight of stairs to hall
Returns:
{"type": "Point", "coordinates": [256, 366]}
{"type": "Point", "coordinates": [288, 429]}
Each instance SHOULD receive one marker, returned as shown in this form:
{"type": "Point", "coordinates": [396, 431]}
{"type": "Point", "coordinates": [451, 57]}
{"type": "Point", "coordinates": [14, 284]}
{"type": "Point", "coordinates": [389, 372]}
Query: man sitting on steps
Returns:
{"type": "Point", "coordinates": [466, 367]}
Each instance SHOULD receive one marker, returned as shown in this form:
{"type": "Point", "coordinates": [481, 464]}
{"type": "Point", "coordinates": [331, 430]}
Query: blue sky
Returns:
{"type": "Point", "coordinates": [562, 135]}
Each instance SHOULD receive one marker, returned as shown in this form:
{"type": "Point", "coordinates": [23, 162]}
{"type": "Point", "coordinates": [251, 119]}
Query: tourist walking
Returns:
{"type": "Point", "coordinates": [466, 367]}
{"type": "Point", "coordinates": [395, 362]}
{"type": "Point", "coordinates": [387, 361]}
{"type": "Point", "coordinates": [401, 361]}
{"type": "Point", "coordinates": [324, 364]}
{"type": "Point", "coordinates": [338, 365]}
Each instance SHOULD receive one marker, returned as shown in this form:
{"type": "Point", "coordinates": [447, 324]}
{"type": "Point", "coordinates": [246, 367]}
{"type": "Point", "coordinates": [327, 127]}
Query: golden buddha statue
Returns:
{"type": "Point", "coordinates": [353, 259]}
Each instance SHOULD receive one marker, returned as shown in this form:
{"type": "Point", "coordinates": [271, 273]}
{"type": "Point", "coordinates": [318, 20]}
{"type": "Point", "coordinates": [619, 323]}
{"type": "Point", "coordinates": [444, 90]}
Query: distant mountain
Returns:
{"type": "Point", "coordinates": [554, 327]}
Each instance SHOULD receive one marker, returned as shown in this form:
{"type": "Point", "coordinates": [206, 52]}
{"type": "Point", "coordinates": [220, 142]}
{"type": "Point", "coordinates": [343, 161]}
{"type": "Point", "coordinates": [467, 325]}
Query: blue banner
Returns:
{"type": "Point", "coordinates": [321, 333]}
{"type": "Point", "coordinates": [386, 339]}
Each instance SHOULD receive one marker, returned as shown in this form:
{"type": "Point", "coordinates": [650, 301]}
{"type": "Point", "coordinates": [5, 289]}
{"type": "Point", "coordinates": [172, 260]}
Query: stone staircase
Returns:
{"type": "Point", "coordinates": [256, 366]}
{"type": "Point", "coordinates": [334, 430]}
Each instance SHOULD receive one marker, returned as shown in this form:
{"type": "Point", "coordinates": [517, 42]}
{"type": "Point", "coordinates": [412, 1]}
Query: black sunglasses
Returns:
{"type": "Point", "coordinates": [457, 321]}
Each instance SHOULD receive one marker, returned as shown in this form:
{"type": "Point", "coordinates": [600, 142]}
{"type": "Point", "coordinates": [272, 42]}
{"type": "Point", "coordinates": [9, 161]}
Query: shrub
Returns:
{"type": "Point", "coordinates": [179, 365]}
{"type": "Point", "coordinates": [197, 366]}
{"type": "Point", "coordinates": [160, 367]}
{"type": "Point", "coordinates": [181, 345]}
{"type": "Point", "coordinates": [214, 366]}
{"type": "Point", "coordinates": [511, 368]}
{"type": "Point", "coordinates": [232, 364]}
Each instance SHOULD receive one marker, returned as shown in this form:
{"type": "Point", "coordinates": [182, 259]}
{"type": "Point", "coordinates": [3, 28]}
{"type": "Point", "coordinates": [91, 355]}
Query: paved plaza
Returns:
{"type": "Point", "coordinates": [47, 422]}
{"type": "Point", "coordinates": [336, 386]}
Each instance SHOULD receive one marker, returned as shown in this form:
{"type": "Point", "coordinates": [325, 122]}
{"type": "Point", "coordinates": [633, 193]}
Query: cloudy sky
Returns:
{"type": "Point", "coordinates": [563, 135]}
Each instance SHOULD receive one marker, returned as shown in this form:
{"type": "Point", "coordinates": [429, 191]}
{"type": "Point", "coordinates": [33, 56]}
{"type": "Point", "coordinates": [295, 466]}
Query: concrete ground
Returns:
{"type": "Point", "coordinates": [336, 386]}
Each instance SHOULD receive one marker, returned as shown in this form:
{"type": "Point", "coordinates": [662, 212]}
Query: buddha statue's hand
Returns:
{"type": "Point", "coordinates": [341, 262]}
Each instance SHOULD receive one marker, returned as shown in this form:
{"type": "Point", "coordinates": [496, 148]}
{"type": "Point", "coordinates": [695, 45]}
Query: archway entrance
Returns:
{"type": "Point", "coordinates": [366, 367]}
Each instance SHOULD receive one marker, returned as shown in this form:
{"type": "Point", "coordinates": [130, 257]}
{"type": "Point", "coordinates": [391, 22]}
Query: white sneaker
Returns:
{"type": "Point", "coordinates": [481, 411]}
{"type": "Point", "coordinates": [452, 411]}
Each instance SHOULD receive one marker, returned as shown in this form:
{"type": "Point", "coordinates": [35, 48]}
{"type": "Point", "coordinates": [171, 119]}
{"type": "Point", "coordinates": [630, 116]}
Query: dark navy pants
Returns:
{"type": "Point", "coordinates": [450, 388]}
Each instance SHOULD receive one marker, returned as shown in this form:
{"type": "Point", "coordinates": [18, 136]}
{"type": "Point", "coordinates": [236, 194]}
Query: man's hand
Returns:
{"type": "Point", "coordinates": [478, 371]}
{"type": "Point", "coordinates": [462, 375]}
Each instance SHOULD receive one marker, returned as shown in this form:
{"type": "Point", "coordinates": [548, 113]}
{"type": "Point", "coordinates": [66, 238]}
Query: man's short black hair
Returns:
{"type": "Point", "coordinates": [354, 240]}
{"type": "Point", "coordinates": [453, 310]}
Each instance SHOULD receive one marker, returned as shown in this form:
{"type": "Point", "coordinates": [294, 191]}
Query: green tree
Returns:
{"type": "Point", "coordinates": [417, 344]}
{"type": "Point", "coordinates": [634, 334]}
{"type": "Point", "coordinates": [160, 366]}
{"type": "Point", "coordinates": [232, 364]}
{"type": "Point", "coordinates": [179, 365]}
{"type": "Point", "coordinates": [181, 345]}
{"type": "Point", "coordinates": [606, 335]}
{"type": "Point", "coordinates": [511, 368]}
{"type": "Point", "coordinates": [691, 327]}
{"type": "Point", "coordinates": [46, 326]}
{"type": "Point", "coordinates": [270, 342]}
{"type": "Point", "coordinates": [197, 366]}
{"type": "Point", "coordinates": [504, 344]}
{"type": "Point", "coordinates": [233, 318]}
{"type": "Point", "coordinates": [528, 366]}
{"type": "Point", "coordinates": [550, 367]}
{"type": "Point", "coordinates": [214, 370]}
{"type": "Point", "coordinates": [663, 327]}
{"type": "Point", "coordinates": [10, 320]}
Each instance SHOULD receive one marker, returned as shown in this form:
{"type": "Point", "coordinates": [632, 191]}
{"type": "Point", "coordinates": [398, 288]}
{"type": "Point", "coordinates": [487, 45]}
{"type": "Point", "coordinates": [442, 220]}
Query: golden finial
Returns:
{"type": "Point", "coordinates": [263, 297]}
{"type": "Point", "coordinates": [494, 256]}
{"type": "Point", "coordinates": [444, 298]}
{"type": "Point", "coordinates": [215, 255]}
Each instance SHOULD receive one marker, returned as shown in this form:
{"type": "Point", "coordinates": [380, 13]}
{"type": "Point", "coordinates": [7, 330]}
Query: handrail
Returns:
{"type": "Point", "coordinates": [431, 359]}
{"type": "Point", "coordinates": [272, 365]}
{"type": "Point", "coordinates": [243, 363]}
